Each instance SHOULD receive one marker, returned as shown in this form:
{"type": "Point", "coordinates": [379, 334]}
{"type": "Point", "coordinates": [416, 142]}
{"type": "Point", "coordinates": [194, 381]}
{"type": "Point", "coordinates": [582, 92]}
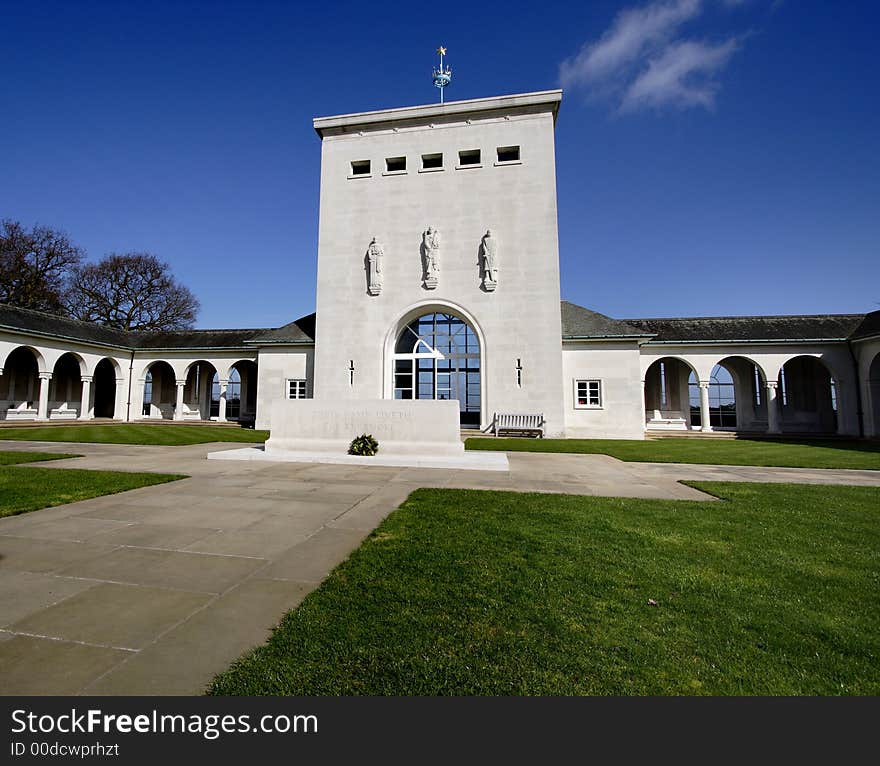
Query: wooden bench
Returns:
{"type": "Point", "coordinates": [512, 422]}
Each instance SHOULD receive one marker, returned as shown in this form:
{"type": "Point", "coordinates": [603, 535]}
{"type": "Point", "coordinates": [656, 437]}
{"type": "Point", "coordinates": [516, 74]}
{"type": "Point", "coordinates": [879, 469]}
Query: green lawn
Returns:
{"type": "Point", "coordinates": [773, 590]}
{"type": "Point", "coordinates": [14, 458]}
{"type": "Point", "coordinates": [822, 453]}
{"type": "Point", "coordinates": [24, 489]}
{"type": "Point", "coordinates": [136, 433]}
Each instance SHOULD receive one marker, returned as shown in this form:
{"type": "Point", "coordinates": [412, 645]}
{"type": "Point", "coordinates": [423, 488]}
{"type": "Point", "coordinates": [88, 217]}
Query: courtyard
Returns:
{"type": "Point", "coordinates": [159, 589]}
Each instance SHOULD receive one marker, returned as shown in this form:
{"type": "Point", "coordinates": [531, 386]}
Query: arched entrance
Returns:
{"type": "Point", "coordinates": [197, 399]}
{"type": "Point", "coordinates": [105, 389]}
{"type": "Point", "coordinates": [20, 385]}
{"type": "Point", "coordinates": [65, 391]}
{"type": "Point", "coordinates": [437, 356]}
{"type": "Point", "coordinates": [666, 394]}
{"type": "Point", "coordinates": [736, 396]}
{"type": "Point", "coordinates": [160, 391]}
{"type": "Point", "coordinates": [807, 396]}
{"type": "Point", "coordinates": [874, 394]}
{"type": "Point", "coordinates": [241, 392]}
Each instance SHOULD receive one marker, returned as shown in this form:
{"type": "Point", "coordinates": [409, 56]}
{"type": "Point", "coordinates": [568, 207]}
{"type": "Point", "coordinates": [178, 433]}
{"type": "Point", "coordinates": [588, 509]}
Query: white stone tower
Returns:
{"type": "Point", "coordinates": [446, 210]}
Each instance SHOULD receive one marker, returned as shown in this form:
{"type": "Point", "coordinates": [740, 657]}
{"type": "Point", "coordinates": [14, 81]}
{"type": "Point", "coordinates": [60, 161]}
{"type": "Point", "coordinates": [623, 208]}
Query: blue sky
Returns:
{"type": "Point", "coordinates": [713, 157]}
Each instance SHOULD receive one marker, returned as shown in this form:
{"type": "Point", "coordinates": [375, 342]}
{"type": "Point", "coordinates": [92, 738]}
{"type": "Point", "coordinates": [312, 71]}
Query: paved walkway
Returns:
{"type": "Point", "coordinates": [156, 590]}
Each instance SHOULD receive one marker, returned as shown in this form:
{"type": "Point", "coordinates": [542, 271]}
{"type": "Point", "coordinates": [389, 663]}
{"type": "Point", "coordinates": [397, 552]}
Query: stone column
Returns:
{"type": "Point", "coordinates": [772, 409]}
{"type": "Point", "coordinates": [43, 409]}
{"type": "Point", "coordinates": [178, 408]}
{"type": "Point", "coordinates": [221, 414]}
{"type": "Point", "coordinates": [704, 406]}
{"type": "Point", "coordinates": [85, 399]}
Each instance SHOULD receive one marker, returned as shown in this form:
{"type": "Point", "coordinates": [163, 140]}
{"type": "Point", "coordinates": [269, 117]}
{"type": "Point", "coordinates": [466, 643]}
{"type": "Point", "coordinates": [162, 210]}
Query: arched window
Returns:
{"type": "Point", "coordinates": [437, 356]}
{"type": "Point", "coordinates": [233, 395]}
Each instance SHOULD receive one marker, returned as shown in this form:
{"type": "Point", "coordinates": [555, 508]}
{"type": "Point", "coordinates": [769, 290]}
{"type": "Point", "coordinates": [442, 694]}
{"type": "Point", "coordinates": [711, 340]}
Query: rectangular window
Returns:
{"type": "Point", "coordinates": [587, 394]}
{"type": "Point", "coordinates": [296, 389]}
{"type": "Point", "coordinates": [508, 154]}
{"type": "Point", "coordinates": [395, 164]}
{"type": "Point", "coordinates": [469, 158]}
{"type": "Point", "coordinates": [360, 167]}
{"type": "Point", "coordinates": [432, 161]}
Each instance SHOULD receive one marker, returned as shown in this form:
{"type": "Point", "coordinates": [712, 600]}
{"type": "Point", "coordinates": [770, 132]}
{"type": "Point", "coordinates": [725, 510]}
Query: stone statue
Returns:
{"type": "Point", "coordinates": [375, 256]}
{"type": "Point", "coordinates": [432, 257]}
{"type": "Point", "coordinates": [489, 253]}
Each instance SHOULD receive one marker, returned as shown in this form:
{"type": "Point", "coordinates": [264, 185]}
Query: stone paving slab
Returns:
{"type": "Point", "coordinates": [37, 666]}
{"type": "Point", "coordinates": [23, 593]}
{"type": "Point", "coordinates": [313, 559]}
{"type": "Point", "coordinates": [155, 590]}
{"type": "Point", "coordinates": [112, 615]}
{"type": "Point", "coordinates": [22, 554]}
{"type": "Point", "coordinates": [188, 657]}
{"type": "Point", "coordinates": [200, 572]}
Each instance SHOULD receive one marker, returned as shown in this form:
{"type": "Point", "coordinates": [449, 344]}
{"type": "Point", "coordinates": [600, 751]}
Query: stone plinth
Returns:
{"type": "Point", "coordinates": [429, 428]}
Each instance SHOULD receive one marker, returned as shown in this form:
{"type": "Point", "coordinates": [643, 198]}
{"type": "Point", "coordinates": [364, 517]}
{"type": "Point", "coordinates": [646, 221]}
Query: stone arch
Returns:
{"type": "Point", "coordinates": [666, 398]}
{"type": "Point", "coordinates": [808, 395]}
{"type": "Point", "coordinates": [197, 392]}
{"type": "Point", "coordinates": [873, 390]}
{"type": "Point", "coordinates": [37, 354]}
{"type": "Point", "coordinates": [241, 393]}
{"type": "Point", "coordinates": [104, 384]}
{"type": "Point", "coordinates": [465, 373]}
{"type": "Point", "coordinates": [65, 388]}
{"type": "Point", "coordinates": [20, 383]}
{"type": "Point", "coordinates": [159, 391]}
{"type": "Point", "coordinates": [737, 395]}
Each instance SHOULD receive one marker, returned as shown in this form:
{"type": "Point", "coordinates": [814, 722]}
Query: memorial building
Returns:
{"type": "Point", "coordinates": [438, 279]}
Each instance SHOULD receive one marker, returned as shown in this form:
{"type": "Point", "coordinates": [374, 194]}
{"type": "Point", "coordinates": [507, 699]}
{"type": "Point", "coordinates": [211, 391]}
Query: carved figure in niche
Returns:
{"type": "Point", "coordinates": [375, 256]}
{"type": "Point", "coordinates": [431, 248]}
{"type": "Point", "coordinates": [489, 253]}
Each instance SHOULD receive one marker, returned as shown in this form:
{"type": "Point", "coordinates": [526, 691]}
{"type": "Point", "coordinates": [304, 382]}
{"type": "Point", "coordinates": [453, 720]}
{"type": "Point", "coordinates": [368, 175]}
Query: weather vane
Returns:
{"type": "Point", "coordinates": [442, 77]}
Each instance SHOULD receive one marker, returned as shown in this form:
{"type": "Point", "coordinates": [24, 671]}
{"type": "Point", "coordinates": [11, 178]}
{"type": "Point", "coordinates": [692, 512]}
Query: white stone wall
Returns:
{"type": "Point", "coordinates": [519, 320]}
{"type": "Point", "coordinates": [616, 364]}
{"type": "Point", "coordinates": [276, 365]}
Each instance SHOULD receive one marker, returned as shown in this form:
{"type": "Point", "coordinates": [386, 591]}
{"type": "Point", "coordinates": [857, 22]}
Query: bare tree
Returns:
{"type": "Point", "coordinates": [35, 266]}
{"type": "Point", "coordinates": [131, 291]}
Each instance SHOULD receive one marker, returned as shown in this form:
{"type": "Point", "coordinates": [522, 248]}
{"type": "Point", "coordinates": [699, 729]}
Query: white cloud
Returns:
{"type": "Point", "coordinates": [633, 32]}
{"type": "Point", "coordinates": [681, 76]}
{"type": "Point", "coordinates": [643, 60]}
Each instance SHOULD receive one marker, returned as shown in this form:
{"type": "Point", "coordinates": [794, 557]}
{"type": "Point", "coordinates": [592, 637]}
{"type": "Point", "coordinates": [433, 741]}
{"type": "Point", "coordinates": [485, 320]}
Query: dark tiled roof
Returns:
{"type": "Point", "coordinates": [55, 326]}
{"type": "Point", "coordinates": [869, 327]}
{"type": "Point", "coordinates": [195, 338]}
{"type": "Point", "coordinates": [761, 328]}
{"type": "Point", "coordinates": [578, 322]}
{"type": "Point", "coordinates": [301, 330]}
{"type": "Point", "coordinates": [14, 318]}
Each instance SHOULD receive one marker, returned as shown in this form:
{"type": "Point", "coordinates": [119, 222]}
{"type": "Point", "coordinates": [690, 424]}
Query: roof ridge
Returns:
{"type": "Point", "coordinates": [62, 317]}
{"type": "Point", "coordinates": [203, 329]}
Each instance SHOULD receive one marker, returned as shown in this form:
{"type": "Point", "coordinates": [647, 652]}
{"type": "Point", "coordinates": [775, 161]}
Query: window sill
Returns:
{"type": "Point", "coordinates": [589, 407]}
{"type": "Point", "coordinates": [469, 167]}
{"type": "Point", "coordinates": [431, 170]}
{"type": "Point", "coordinates": [359, 175]}
{"type": "Point", "coordinates": [499, 164]}
{"type": "Point", "coordinates": [394, 172]}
